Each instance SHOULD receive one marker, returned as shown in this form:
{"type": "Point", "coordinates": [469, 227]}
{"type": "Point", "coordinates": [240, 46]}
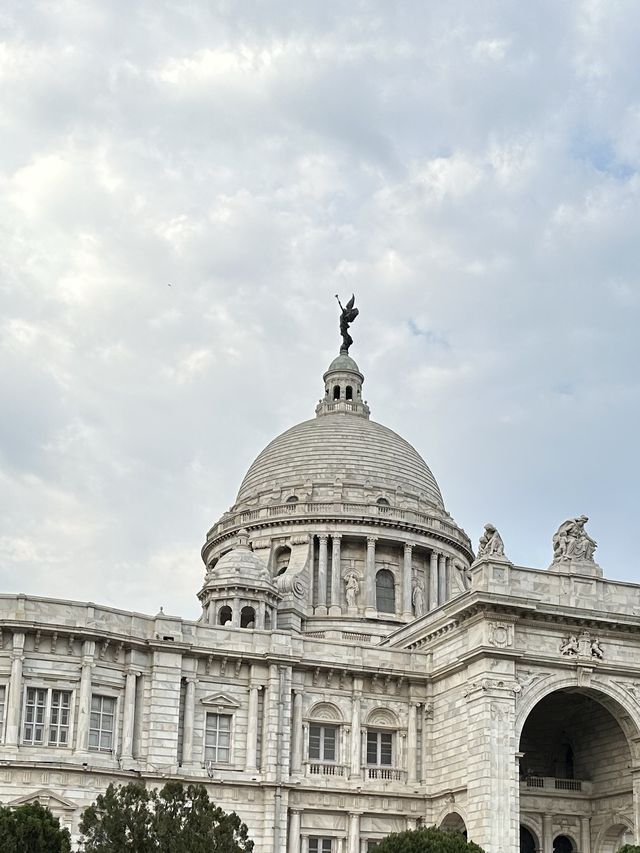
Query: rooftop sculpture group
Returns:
{"type": "Point", "coordinates": [572, 542]}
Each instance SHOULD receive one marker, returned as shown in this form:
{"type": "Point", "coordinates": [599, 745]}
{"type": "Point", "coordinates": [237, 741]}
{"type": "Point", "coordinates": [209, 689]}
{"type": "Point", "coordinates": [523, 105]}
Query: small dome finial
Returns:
{"type": "Point", "coordinates": [349, 314]}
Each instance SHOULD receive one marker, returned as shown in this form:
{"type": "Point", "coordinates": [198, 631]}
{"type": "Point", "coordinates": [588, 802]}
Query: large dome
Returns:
{"type": "Point", "coordinates": [343, 445]}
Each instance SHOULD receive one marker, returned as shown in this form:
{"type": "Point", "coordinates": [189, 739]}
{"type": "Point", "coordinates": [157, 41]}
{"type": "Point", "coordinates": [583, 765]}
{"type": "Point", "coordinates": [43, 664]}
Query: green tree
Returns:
{"type": "Point", "coordinates": [32, 827]}
{"type": "Point", "coordinates": [428, 840]}
{"type": "Point", "coordinates": [175, 819]}
{"type": "Point", "coordinates": [629, 848]}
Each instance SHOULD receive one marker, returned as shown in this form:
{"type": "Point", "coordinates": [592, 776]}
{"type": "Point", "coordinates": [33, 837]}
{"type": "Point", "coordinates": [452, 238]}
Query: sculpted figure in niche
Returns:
{"type": "Point", "coordinates": [349, 314]}
{"type": "Point", "coordinates": [352, 589]}
{"type": "Point", "coordinates": [572, 542]}
{"type": "Point", "coordinates": [417, 597]}
{"type": "Point", "coordinates": [491, 544]}
{"type": "Point", "coordinates": [570, 646]}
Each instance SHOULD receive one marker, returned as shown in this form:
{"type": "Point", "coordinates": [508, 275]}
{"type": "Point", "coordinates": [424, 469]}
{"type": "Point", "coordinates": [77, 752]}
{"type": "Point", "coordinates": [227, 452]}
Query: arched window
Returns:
{"type": "Point", "coordinates": [324, 738]}
{"type": "Point", "coordinates": [349, 392]}
{"type": "Point", "coordinates": [225, 615]}
{"type": "Point", "coordinates": [267, 620]}
{"type": "Point", "coordinates": [385, 592]}
{"type": "Point", "coordinates": [336, 392]}
{"type": "Point", "coordinates": [292, 499]}
{"type": "Point", "coordinates": [247, 617]}
{"type": "Point", "coordinates": [382, 502]}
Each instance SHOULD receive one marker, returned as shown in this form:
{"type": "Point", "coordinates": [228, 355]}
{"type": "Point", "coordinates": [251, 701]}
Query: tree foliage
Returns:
{"type": "Point", "coordinates": [629, 848]}
{"type": "Point", "coordinates": [175, 819]}
{"type": "Point", "coordinates": [428, 840]}
{"type": "Point", "coordinates": [32, 827]}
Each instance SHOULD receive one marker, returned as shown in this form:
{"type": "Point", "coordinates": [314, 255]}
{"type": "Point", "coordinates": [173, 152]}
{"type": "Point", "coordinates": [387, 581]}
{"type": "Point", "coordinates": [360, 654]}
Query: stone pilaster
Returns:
{"type": "Point", "coordinates": [14, 702]}
{"type": "Point", "coordinates": [353, 836]}
{"type": "Point", "coordinates": [412, 743]}
{"type": "Point", "coordinates": [84, 698]}
{"type": "Point", "coordinates": [356, 770]}
{"type": "Point", "coordinates": [336, 577]}
{"type": "Point", "coordinates": [585, 835]}
{"type": "Point", "coordinates": [188, 725]}
{"type": "Point", "coordinates": [442, 579]}
{"type": "Point", "coordinates": [407, 576]}
{"type": "Point", "coordinates": [294, 831]}
{"type": "Point", "coordinates": [370, 577]}
{"type": "Point", "coordinates": [433, 581]}
{"type": "Point", "coordinates": [296, 732]}
{"type": "Point", "coordinates": [129, 713]}
{"type": "Point", "coordinates": [547, 833]}
{"type": "Point", "coordinates": [321, 604]}
{"type": "Point", "coordinates": [252, 727]}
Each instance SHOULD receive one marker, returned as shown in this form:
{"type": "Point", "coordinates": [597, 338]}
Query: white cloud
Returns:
{"type": "Point", "coordinates": [470, 171]}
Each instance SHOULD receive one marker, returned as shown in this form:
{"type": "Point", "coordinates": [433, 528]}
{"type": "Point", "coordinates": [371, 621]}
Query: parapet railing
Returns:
{"type": "Point", "coordinates": [551, 783]}
{"type": "Point", "coordinates": [346, 509]}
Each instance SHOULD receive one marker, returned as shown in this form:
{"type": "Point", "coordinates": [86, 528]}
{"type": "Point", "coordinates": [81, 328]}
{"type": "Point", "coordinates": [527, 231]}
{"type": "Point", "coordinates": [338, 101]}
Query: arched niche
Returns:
{"type": "Point", "coordinates": [382, 718]}
{"type": "Point", "coordinates": [248, 617]}
{"type": "Point", "coordinates": [225, 615]}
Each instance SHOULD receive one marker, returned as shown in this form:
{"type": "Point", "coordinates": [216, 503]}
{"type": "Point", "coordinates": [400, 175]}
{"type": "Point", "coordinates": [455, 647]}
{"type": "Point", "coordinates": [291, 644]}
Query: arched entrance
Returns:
{"type": "Point", "coordinates": [614, 838]}
{"type": "Point", "coordinates": [528, 841]}
{"type": "Point", "coordinates": [576, 749]}
{"type": "Point", "coordinates": [453, 822]}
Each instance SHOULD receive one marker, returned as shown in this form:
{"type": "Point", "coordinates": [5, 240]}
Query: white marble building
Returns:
{"type": "Point", "coordinates": [355, 670]}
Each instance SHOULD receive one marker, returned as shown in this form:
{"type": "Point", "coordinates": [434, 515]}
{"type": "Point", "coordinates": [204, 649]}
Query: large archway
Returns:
{"type": "Point", "coordinates": [576, 752]}
{"type": "Point", "coordinates": [453, 822]}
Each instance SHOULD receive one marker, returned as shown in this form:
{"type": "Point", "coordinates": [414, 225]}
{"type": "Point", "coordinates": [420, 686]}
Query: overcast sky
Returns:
{"type": "Point", "coordinates": [469, 169]}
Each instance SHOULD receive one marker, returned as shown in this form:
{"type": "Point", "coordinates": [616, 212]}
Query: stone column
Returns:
{"type": "Point", "coordinates": [442, 579]}
{"type": "Point", "coordinates": [336, 577]}
{"type": "Point", "coordinates": [412, 742]}
{"type": "Point", "coordinates": [294, 831]}
{"type": "Point", "coordinates": [129, 713]}
{"type": "Point", "coordinates": [14, 706]}
{"type": "Point", "coordinates": [84, 699]}
{"type": "Point", "coordinates": [356, 770]}
{"type": "Point", "coordinates": [235, 614]}
{"type": "Point", "coordinates": [433, 581]}
{"type": "Point", "coordinates": [296, 732]}
{"type": "Point", "coordinates": [252, 728]}
{"type": "Point", "coordinates": [370, 577]}
{"type": "Point", "coordinates": [585, 835]}
{"type": "Point", "coordinates": [407, 570]}
{"type": "Point", "coordinates": [547, 833]}
{"type": "Point", "coordinates": [321, 605]}
{"type": "Point", "coordinates": [353, 837]}
{"type": "Point", "coordinates": [187, 727]}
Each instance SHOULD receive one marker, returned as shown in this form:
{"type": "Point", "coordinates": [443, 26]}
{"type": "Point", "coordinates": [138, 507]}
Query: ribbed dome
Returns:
{"type": "Point", "coordinates": [340, 445]}
{"type": "Point", "coordinates": [241, 565]}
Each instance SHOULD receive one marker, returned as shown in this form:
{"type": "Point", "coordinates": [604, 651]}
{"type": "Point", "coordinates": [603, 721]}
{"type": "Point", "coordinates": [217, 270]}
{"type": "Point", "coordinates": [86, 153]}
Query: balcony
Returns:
{"type": "Point", "coordinates": [315, 768]}
{"type": "Point", "coordinates": [550, 784]}
{"type": "Point", "coordinates": [384, 774]}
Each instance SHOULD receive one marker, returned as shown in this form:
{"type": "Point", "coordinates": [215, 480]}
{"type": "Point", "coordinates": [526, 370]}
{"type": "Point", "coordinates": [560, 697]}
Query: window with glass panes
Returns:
{"type": "Point", "coordinates": [103, 711]}
{"type": "Point", "coordinates": [380, 748]}
{"type": "Point", "coordinates": [319, 845]}
{"type": "Point", "coordinates": [47, 716]}
{"type": "Point", "coordinates": [322, 742]}
{"type": "Point", "coordinates": [217, 738]}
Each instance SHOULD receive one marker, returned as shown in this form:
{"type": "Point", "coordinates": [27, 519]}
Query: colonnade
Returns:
{"type": "Point", "coordinates": [350, 842]}
{"type": "Point", "coordinates": [326, 597]}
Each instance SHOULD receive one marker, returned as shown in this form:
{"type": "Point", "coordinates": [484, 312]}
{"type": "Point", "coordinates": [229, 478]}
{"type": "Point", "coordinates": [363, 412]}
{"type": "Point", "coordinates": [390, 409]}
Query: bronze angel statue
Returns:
{"type": "Point", "coordinates": [349, 314]}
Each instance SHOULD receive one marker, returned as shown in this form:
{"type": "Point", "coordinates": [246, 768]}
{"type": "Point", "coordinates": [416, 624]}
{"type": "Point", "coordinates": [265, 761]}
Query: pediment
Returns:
{"type": "Point", "coordinates": [46, 797]}
{"type": "Point", "coordinates": [220, 700]}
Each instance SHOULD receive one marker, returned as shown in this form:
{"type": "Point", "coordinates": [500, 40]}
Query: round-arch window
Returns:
{"type": "Point", "coordinates": [247, 617]}
{"type": "Point", "coordinates": [336, 392]}
{"type": "Point", "coordinates": [383, 502]}
{"type": "Point", "coordinates": [292, 499]}
{"type": "Point", "coordinates": [349, 392]}
{"type": "Point", "coordinates": [225, 615]}
{"type": "Point", "coordinates": [385, 592]}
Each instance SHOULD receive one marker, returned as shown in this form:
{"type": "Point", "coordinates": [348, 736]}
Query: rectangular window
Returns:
{"type": "Point", "coordinates": [322, 743]}
{"type": "Point", "coordinates": [46, 711]}
{"type": "Point", "coordinates": [3, 691]}
{"type": "Point", "coordinates": [101, 724]}
{"type": "Point", "coordinates": [217, 739]}
{"type": "Point", "coordinates": [59, 718]}
{"type": "Point", "coordinates": [380, 748]}
{"type": "Point", "coordinates": [319, 845]}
